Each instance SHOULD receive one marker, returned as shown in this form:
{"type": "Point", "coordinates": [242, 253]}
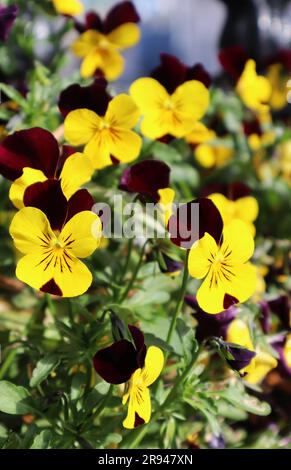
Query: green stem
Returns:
{"type": "Point", "coordinates": [7, 362]}
{"type": "Point", "coordinates": [135, 273]}
{"type": "Point", "coordinates": [128, 256]}
{"type": "Point", "coordinates": [180, 301]}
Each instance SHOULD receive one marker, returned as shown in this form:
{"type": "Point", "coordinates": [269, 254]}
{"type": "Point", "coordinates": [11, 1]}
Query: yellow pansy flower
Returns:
{"type": "Point", "coordinates": [108, 135]}
{"type": "Point", "coordinates": [245, 208]}
{"type": "Point", "coordinates": [165, 113]}
{"type": "Point", "coordinates": [229, 278]}
{"type": "Point", "coordinates": [213, 155]}
{"type": "Point", "coordinates": [102, 51]}
{"type": "Point", "coordinates": [51, 258]}
{"type": "Point", "coordinates": [239, 333]}
{"type": "Point", "coordinates": [254, 90]}
{"type": "Point", "coordinates": [68, 7]}
{"type": "Point", "coordinates": [278, 83]}
{"type": "Point", "coordinates": [138, 395]}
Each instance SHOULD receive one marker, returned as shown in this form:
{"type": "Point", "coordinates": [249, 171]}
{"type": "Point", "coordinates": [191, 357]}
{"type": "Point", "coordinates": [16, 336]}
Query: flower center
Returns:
{"type": "Point", "coordinates": [168, 105]}
{"type": "Point", "coordinates": [104, 43]}
{"type": "Point", "coordinates": [104, 125]}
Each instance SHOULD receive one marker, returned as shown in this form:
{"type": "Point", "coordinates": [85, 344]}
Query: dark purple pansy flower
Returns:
{"type": "Point", "coordinates": [116, 363]}
{"type": "Point", "coordinates": [279, 345]}
{"type": "Point", "coordinates": [170, 265]}
{"type": "Point", "coordinates": [282, 308]}
{"type": "Point", "coordinates": [191, 221]}
{"type": "Point", "coordinates": [172, 72]}
{"type": "Point", "coordinates": [146, 178]}
{"type": "Point", "coordinates": [49, 198]}
{"type": "Point", "coordinates": [8, 15]}
{"type": "Point", "coordinates": [93, 97]}
{"type": "Point", "coordinates": [124, 12]}
{"type": "Point", "coordinates": [210, 325]}
{"type": "Point", "coordinates": [233, 60]}
{"type": "Point", "coordinates": [236, 356]}
{"type": "Point", "coordinates": [232, 191]}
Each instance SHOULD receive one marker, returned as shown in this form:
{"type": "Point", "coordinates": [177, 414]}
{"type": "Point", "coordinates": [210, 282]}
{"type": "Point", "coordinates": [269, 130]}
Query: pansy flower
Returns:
{"type": "Point", "coordinates": [8, 15]}
{"type": "Point", "coordinates": [101, 41]}
{"type": "Point", "coordinates": [33, 155]}
{"type": "Point", "coordinates": [68, 7]}
{"type": "Point", "coordinates": [278, 72]}
{"type": "Point", "coordinates": [130, 362]}
{"type": "Point", "coordinates": [101, 123]}
{"type": "Point", "coordinates": [52, 234]}
{"type": "Point", "coordinates": [223, 264]}
{"type": "Point", "coordinates": [171, 101]}
{"type": "Point", "coordinates": [245, 208]}
{"type": "Point", "coordinates": [253, 89]}
{"type": "Point", "coordinates": [262, 363]}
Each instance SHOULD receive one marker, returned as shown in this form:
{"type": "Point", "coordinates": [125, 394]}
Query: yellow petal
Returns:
{"type": "Point", "coordinates": [247, 208]}
{"type": "Point", "coordinates": [238, 333]}
{"type": "Point", "coordinates": [200, 253]}
{"type": "Point", "coordinates": [210, 297]}
{"type": "Point", "coordinates": [81, 125]}
{"type": "Point", "coordinates": [154, 363]}
{"type": "Point", "coordinates": [142, 407]}
{"type": "Point", "coordinates": [29, 228]}
{"type": "Point", "coordinates": [18, 187]}
{"type": "Point", "coordinates": [263, 363]}
{"type": "Point", "coordinates": [167, 196]}
{"type": "Point", "coordinates": [113, 64]}
{"type": "Point", "coordinates": [68, 7]}
{"type": "Point", "coordinates": [75, 280]}
{"type": "Point", "coordinates": [98, 151]}
{"type": "Point", "coordinates": [122, 112]}
{"type": "Point", "coordinates": [238, 240]}
{"type": "Point", "coordinates": [204, 154]}
{"type": "Point", "coordinates": [155, 126]}
{"type": "Point", "coordinates": [200, 134]}
{"type": "Point", "coordinates": [243, 281]}
{"type": "Point", "coordinates": [81, 235]}
{"type": "Point", "coordinates": [77, 170]}
{"type": "Point", "coordinates": [149, 95]}
{"type": "Point", "coordinates": [125, 145]}
{"type": "Point", "coordinates": [86, 43]}
{"type": "Point", "coordinates": [126, 35]}
{"type": "Point", "coordinates": [34, 270]}
{"type": "Point", "coordinates": [91, 62]}
{"type": "Point", "coordinates": [287, 350]}
{"type": "Point", "coordinates": [191, 99]}
{"type": "Point", "coordinates": [254, 90]}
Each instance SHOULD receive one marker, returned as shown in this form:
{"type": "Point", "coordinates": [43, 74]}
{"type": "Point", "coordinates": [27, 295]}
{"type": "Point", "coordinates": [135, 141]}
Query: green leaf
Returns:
{"type": "Point", "coordinates": [13, 94]}
{"type": "Point", "coordinates": [43, 368]}
{"type": "Point", "coordinates": [246, 402]}
{"type": "Point", "coordinates": [42, 440]}
{"type": "Point", "coordinates": [13, 399]}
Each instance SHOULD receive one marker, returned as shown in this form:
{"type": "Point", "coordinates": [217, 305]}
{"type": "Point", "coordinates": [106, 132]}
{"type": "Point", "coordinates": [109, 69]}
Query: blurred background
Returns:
{"type": "Point", "coordinates": [194, 30]}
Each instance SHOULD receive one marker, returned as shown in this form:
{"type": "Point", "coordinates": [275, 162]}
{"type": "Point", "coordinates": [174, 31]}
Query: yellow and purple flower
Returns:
{"type": "Point", "coordinates": [101, 41]}
{"type": "Point", "coordinates": [52, 233]}
{"type": "Point", "coordinates": [171, 103]}
{"type": "Point", "coordinates": [101, 123]}
{"type": "Point", "coordinates": [130, 362]}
